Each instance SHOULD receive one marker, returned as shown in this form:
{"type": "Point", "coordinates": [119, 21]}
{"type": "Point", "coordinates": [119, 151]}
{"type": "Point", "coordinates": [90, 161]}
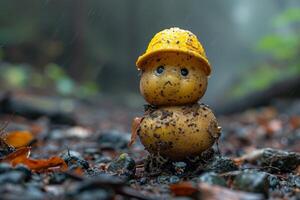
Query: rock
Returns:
{"type": "Point", "coordinates": [74, 160]}
{"type": "Point", "coordinates": [294, 181]}
{"type": "Point", "coordinates": [27, 172]}
{"type": "Point", "coordinates": [221, 164]}
{"type": "Point", "coordinates": [94, 194]}
{"type": "Point", "coordinates": [103, 159]}
{"type": "Point", "coordinates": [274, 160]}
{"type": "Point", "coordinates": [73, 132]}
{"type": "Point", "coordinates": [114, 140]}
{"type": "Point", "coordinates": [19, 192]}
{"type": "Point", "coordinates": [252, 181]}
{"type": "Point", "coordinates": [101, 187]}
{"type": "Point", "coordinates": [212, 179]}
{"type": "Point", "coordinates": [5, 167]}
{"type": "Point", "coordinates": [57, 178]}
{"type": "Point", "coordinates": [179, 167]}
{"type": "Point", "coordinates": [12, 177]}
{"type": "Point", "coordinates": [123, 166]}
{"type": "Point", "coordinates": [94, 172]}
{"type": "Point", "coordinates": [282, 160]}
{"type": "Point", "coordinates": [274, 181]}
{"type": "Point", "coordinates": [163, 179]}
{"type": "Point", "coordinates": [174, 179]}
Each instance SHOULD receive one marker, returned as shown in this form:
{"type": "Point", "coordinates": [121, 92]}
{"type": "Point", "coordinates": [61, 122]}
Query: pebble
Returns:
{"type": "Point", "coordinates": [221, 164]}
{"type": "Point", "coordinates": [179, 167]}
{"type": "Point", "coordinates": [74, 160]}
{"type": "Point", "coordinates": [57, 178]}
{"type": "Point", "coordinates": [174, 179]}
{"type": "Point", "coordinates": [114, 140]}
{"type": "Point", "coordinates": [5, 167]}
{"type": "Point", "coordinates": [12, 177]}
{"type": "Point", "coordinates": [124, 166]}
{"type": "Point", "coordinates": [27, 172]}
{"type": "Point", "coordinates": [212, 179]}
{"type": "Point", "coordinates": [252, 181]}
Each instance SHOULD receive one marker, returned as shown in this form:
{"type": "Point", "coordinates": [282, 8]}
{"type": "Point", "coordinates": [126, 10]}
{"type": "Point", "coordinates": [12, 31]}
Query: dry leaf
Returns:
{"type": "Point", "coordinates": [45, 164]}
{"type": "Point", "coordinates": [183, 189]}
{"type": "Point", "coordinates": [134, 129]}
{"type": "Point", "coordinates": [18, 139]}
{"type": "Point", "coordinates": [21, 155]}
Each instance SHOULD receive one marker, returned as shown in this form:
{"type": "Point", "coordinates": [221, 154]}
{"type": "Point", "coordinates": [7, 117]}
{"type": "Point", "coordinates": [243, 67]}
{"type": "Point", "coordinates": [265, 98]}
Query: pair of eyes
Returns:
{"type": "Point", "coordinates": [160, 69]}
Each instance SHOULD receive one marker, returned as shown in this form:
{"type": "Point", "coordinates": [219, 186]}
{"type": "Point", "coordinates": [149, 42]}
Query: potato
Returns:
{"type": "Point", "coordinates": [178, 132]}
{"type": "Point", "coordinates": [172, 79]}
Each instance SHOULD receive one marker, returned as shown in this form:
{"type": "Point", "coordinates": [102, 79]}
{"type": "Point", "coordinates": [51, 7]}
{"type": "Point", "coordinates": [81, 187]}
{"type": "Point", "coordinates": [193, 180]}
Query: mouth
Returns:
{"type": "Point", "coordinates": [168, 82]}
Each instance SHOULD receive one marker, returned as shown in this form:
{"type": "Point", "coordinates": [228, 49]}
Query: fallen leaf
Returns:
{"type": "Point", "coordinates": [183, 189]}
{"type": "Point", "coordinates": [134, 129]}
{"type": "Point", "coordinates": [19, 138]}
{"type": "Point", "coordinates": [17, 156]}
{"type": "Point", "coordinates": [21, 156]}
{"type": "Point", "coordinates": [45, 164]}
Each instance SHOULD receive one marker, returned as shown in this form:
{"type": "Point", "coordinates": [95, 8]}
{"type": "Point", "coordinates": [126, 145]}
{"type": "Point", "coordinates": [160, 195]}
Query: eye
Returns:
{"type": "Point", "coordinates": [159, 70]}
{"type": "Point", "coordinates": [184, 72]}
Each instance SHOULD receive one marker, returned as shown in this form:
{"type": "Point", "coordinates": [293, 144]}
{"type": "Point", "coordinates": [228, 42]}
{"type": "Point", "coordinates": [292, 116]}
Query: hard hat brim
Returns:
{"type": "Point", "coordinates": [143, 58]}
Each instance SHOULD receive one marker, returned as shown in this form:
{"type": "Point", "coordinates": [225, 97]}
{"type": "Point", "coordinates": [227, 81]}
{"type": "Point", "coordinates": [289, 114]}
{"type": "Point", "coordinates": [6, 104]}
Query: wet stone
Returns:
{"type": "Point", "coordinates": [279, 160]}
{"type": "Point", "coordinates": [274, 182]}
{"type": "Point", "coordinates": [27, 172]}
{"type": "Point", "coordinates": [5, 167]}
{"type": "Point", "coordinates": [143, 181]}
{"type": "Point", "coordinates": [212, 179]}
{"type": "Point", "coordinates": [74, 160]}
{"type": "Point", "coordinates": [163, 179]}
{"type": "Point", "coordinates": [94, 172]}
{"type": "Point", "coordinates": [179, 167]}
{"type": "Point", "coordinates": [114, 140]}
{"type": "Point", "coordinates": [13, 191]}
{"type": "Point", "coordinates": [101, 187]}
{"type": "Point", "coordinates": [174, 179]}
{"type": "Point", "coordinates": [57, 178]}
{"type": "Point", "coordinates": [103, 159]}
{"type": "Point", "coordinates": [12, 177]}
{"type": "Point", "coordinates": [124, 166]}
{"type": "Point", "coordinates": [94, 194]}
{"type": "Point", "coordinates": [294, 181]}
{"type": "Point", "coordinates": [221, 164]}
{"type": "Point", "coordinates": [252, 181]}
{"type": "Point", "coordinates": [92, 151]}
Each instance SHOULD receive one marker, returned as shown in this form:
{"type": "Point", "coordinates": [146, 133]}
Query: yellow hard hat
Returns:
{"type": "Point", "coordinates": [175, 40]}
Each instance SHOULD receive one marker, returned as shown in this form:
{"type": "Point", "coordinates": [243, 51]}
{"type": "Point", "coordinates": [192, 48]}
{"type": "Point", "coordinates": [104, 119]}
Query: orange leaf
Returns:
{"type": "Point", "coordinates": [21, 155]}
{"type": "Point", "coordinates": [17, 156]}
{"type": "Point", "coordinates": [18, 139]}
{"type": "Point", "coordinates": [45, 164]}
{"type": "Point", "coordinates": [183, 189]}
{"type": "Point", "coordinates": [134, 129]}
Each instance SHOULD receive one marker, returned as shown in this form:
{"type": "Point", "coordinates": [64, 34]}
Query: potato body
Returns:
{"type": "Point", "coordinates": [178, 132]}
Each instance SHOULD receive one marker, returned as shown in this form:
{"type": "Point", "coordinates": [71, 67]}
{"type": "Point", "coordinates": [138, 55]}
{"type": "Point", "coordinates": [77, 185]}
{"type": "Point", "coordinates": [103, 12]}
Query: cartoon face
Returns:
{"type": "Point", "coordinates": [173, 79]}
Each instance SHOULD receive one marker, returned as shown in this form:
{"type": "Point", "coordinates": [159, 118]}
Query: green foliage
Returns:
{"type": "Point", "coordinates": [262, 77]}
{"type": "Point", "coordinates": [288, 17]}
{"type": "Point", "coordinates": [15, 76]}
{"type": "Point", "coordinates": [280, 47]}
{"type": "Point", "coordinates": [53, 78]}
{"type": "Point", "coordinates": [283, 49]}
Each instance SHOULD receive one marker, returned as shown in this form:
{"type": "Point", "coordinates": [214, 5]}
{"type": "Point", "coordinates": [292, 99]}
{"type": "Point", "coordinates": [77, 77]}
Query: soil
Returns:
{"type": "Point", "coordinates": [257, 156]}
